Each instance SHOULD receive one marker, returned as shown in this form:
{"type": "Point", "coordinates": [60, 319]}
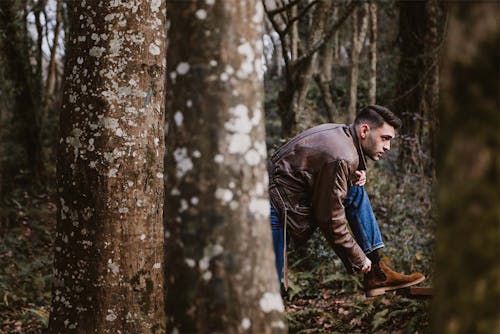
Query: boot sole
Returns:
{"type": "Point", "coordinates": [382, 290]}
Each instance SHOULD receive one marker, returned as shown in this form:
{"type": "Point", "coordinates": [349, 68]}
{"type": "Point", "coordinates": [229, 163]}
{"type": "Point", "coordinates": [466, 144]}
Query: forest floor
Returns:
{"type": "Point", "coordinates": [27, 229]}
{"type": "Point", "coordinates": [322, 297]}
{"type": "Point", "coordinates": [326, 299]}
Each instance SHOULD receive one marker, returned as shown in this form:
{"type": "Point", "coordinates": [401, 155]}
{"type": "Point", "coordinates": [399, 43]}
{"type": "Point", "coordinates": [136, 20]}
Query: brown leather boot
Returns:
{"type": "Point", "coordinates": [381, 279]}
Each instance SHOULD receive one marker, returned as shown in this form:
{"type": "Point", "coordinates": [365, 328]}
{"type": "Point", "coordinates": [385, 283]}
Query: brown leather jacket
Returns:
{"type": "Point", "coordinates": [308, 181]}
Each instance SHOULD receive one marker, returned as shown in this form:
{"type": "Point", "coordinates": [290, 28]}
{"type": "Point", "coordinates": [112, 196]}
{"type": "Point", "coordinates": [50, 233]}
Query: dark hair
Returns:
{"type": "Point", "coordinates": [376, 116]}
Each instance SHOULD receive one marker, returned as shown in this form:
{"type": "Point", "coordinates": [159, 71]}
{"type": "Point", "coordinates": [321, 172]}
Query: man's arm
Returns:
{"type": "Point", "coordinates": [330, 190]}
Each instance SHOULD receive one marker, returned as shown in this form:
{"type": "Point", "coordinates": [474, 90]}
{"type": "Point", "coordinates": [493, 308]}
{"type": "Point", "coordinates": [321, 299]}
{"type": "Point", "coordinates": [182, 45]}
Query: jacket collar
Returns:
{"type": "Point", "coordinates": [361, 154]}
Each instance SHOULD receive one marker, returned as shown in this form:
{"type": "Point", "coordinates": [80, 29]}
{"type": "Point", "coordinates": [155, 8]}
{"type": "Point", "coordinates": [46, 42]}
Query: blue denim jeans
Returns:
{"type": "Point", "coordinates": [359, 214]}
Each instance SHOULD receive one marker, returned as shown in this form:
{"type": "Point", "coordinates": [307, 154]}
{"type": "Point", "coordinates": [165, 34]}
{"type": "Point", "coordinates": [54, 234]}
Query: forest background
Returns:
{"type": "Point", "coordinates": [322, 61]}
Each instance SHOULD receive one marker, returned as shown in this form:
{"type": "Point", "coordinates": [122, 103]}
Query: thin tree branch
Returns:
{"type": "Point", "coordinates": [271, 19]}
{"type": "Point", "coordinates": [281, 37]}
{"type": "Point", "coordinates": [282, 9]}
{"type": "Point", "coordinates": [284, 16]}
{"type": "Point", "coordinates": [330, 31]}
{"type": "Point", "coordinates": [298, 17]}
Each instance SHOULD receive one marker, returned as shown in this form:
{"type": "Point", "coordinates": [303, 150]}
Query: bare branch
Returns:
{"type": "Point", "coordinates": [284, 16]}
{"type": "Point", "coordinates": [280, 35]}
{"type": "Point", "coordinates": [271, 18]}
{"type": "Point", "coordinates": [330, 31]}
{"type": "Point", "coordinates": [298, 17]}
{"type": "Point", "coordinates": [282, 9]}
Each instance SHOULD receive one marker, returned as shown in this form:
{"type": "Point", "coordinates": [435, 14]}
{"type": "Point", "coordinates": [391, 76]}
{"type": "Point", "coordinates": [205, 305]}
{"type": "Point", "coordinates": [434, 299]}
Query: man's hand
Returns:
{"type": "Point", "coordinates": [367, 266]}
{"type": "Point", "coordinates": [361, 177]}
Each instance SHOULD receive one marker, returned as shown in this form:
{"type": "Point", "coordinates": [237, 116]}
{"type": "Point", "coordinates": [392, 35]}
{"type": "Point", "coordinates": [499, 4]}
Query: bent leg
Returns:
{"type": "Point", "coordinates": [365, 229]}
{"type": "Point", "coordinates": [362, 221]}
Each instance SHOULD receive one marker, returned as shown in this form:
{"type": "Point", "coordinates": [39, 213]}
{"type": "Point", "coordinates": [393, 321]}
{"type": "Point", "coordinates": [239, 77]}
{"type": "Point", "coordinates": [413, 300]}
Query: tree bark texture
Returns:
{"type": "Point", "coordinates": [109, 243]}
{"type": "Point", "coordinates": [220, 264]}
{"type": "Point", "coordinates": [466, 287]}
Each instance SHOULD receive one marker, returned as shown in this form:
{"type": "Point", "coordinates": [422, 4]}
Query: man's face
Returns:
{"type": "Point", "coordinates": [376, 141]}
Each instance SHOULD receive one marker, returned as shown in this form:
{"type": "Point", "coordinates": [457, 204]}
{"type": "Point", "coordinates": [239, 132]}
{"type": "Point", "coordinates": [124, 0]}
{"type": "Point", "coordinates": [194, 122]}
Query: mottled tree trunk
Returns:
{"type": "Point", "coordinates": [466, 287]}
{"type": "Point", "coordinates": [220, 264]}
{"type": "Point", "coordinates": [372, 81]}
{"type": "Point", "coordinates": [108, 247]}
{"type": "Point", "coordinates": [358, 40]}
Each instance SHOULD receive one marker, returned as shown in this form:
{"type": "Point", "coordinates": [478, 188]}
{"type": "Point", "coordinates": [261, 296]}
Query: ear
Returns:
{"type": "Point", "coordinates": [364, 129]}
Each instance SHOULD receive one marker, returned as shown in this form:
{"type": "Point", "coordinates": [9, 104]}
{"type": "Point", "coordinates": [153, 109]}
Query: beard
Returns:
{"type": "Point", "coordinates": [370, 149]}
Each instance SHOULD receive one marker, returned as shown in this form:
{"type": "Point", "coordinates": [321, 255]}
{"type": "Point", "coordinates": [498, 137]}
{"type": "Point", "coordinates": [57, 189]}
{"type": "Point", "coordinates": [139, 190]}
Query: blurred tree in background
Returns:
{"type": "Point", "coordinates": [420, 35]}
{"type": "Point", "coordinates": [220, 275]}
{"type": "Point", "coordinates": [22, 62]}
{"type": "Point", "coordinates": [303, 28]}
{"type": "Point", "coordinates": [468, 272]}
{"type": "Point", "coordinates": [32, 36]}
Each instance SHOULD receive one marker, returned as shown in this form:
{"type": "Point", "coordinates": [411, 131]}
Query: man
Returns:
{"type": "Point", "coordinates": [317, 178]}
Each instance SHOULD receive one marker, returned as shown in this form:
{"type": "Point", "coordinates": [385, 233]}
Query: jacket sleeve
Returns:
{"type": "Point", "coordinates": [330, 189]}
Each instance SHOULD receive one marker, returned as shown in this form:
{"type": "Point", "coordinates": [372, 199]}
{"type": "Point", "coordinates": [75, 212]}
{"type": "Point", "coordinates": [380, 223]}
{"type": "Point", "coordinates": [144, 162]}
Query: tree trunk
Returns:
{"type": "Point", "coordinates": [353, 89]}
{"type": "Point", "coordinates": [466, 286]}
{"type": "Point", "coordinates": [336, 43]}
{"type": "Point", "coordinates": [278, 57]}
{"type": "Point", "coordinates": [50, 83]}
{"type": "Point", "coordinates": [38, 8]}
{"type": "Point", "coordinates": [323, 75]}
{"type": "Point", "coordinates": [417, 92]}
{"type": "Point", "coordinates": [298, 72]}
{"type": "Point", "coordinates": [275, 66]}
{"type": "Point", "coordinates": [431, 90]}
{"type": "Point", "coordinates": [109, 241]}
{"type": "Point", "coordinates": [372, 82]}
{"type": "Point", "coordinates": [220, 264]}
{"type": "Point", "coordinates": [25, 110]}
{"type": "Point", "coordinates": [291, 101]}
{"type": "Point", "coordinates": [294, 35]}
{"type": "Point", "coordinates": [358, 40]}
